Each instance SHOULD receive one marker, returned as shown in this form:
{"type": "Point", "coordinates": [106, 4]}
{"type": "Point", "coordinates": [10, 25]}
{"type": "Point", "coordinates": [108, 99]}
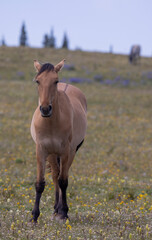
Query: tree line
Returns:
{"type": "Point", "coordinates": [49, 41]}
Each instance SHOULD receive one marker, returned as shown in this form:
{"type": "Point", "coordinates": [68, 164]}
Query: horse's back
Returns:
{"type": "Point", "coordinates": [79, 105]}
{"type": "Point", "coordinates": [74, 94]}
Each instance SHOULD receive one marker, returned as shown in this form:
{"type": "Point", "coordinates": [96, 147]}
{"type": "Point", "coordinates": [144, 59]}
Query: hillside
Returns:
{"type": "Point", "coordinates": [110, 181]}
{"type": "Point", "coordinates": [17, 64]}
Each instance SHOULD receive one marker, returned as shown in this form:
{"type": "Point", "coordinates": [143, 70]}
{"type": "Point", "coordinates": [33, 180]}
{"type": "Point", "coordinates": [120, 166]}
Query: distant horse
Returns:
{"type": "Point", "coordinates": [58, 128]}
{"type": "Point", "coordinates": [134, 54]}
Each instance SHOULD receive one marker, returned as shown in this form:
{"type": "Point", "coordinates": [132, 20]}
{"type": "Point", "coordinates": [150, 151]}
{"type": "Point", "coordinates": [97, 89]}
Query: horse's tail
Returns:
{"type": "Point", "coordinates": [48, 166]}
{"type": "Point", "coordinates": [52, 163]}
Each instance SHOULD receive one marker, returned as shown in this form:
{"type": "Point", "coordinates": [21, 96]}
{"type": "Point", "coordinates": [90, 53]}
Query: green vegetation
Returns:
{"type": "Point", "coordinates": [17, 64]}
{"type": "Point", "coordinates": [23, 36]}
{"type": "Point", "coordinates": [49, 41]}
{"type": "Point", "coordinates": [65, 43]}
{"type": "Point", "coordinates": [110, 182]}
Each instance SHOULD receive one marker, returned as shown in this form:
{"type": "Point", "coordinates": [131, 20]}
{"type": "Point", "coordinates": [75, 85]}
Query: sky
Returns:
{"type": "Point", "coordinates": [91, 25]}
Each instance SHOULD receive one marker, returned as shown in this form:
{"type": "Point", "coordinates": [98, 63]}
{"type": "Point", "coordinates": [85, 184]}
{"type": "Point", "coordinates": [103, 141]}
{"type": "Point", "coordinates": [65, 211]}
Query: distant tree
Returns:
{"type": "Point", "coordinates": [65, 43]}
{"type": "Point", "coordinates": [111, 49]}
{"type": "Point", "coordinates": [23, 36]}
{"type": "Point", "coordinates": [46, 41]}
{"type": "Point", "coordinates": [3, 42]}
{"type": "Point", "coordinates": [52, 39]}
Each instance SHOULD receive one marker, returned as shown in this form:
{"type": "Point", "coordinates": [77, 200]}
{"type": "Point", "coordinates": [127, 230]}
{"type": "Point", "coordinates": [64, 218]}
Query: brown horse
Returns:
{"type": "Point", "coordinates": [134, 55]}
{"type": "Point", "coordinates": [58, 128]}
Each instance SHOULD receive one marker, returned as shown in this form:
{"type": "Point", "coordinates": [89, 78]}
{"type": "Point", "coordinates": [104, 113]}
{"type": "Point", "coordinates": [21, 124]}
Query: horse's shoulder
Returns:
{"type": "Point", "coordinates": [74, 94]}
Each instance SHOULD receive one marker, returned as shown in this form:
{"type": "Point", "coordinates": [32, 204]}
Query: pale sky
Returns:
{"type": "Point", "coordinates": [92, 25]}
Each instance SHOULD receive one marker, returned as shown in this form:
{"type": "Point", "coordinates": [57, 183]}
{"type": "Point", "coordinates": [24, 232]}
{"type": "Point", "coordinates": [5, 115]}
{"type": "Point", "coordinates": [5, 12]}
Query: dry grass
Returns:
{"type": "Point", "coordinates": [110, 183]}
{"type": "Point", "coordinates": [17, 64]}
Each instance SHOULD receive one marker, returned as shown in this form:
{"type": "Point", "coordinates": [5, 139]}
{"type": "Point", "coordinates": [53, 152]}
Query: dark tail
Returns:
{"type": "Point", "coordinates": [79, 145]}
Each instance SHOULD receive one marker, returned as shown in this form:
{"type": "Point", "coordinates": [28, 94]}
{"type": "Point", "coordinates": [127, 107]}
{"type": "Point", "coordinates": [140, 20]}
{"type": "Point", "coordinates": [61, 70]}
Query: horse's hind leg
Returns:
{"type": "Point", "coordinates": [54, 163]}
{"type": "Point", "coordinates": [40, 183]}
{"type": "Point", "coordinates": [65, 164]}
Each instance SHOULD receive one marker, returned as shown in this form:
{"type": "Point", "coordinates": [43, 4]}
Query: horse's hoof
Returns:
{"type": "Point", "coordinates": [53, 216]}
{"type": "Point", "coordinates": [33, 221]}
{"type": "Point", "coordinates": [60, 218]}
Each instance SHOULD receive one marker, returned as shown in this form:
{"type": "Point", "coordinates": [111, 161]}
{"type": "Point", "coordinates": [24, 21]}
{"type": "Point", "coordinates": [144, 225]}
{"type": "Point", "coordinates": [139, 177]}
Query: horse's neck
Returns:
{"type": "Point", "coordinates": [56, 109]}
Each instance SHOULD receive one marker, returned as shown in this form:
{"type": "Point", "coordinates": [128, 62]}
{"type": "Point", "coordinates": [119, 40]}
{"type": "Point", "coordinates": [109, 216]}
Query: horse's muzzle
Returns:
{"type": "Point", "coordinates": [46, 111]}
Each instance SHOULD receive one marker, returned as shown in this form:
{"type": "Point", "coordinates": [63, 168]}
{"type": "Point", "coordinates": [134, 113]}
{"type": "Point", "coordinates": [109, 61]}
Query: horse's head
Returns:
{"type": "Point", "coordinates": [47, 79]}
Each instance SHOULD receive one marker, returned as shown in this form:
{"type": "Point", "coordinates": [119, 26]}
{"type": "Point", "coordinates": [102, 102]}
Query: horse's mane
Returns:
{"type": "Point", "coordinates": [46, 67]}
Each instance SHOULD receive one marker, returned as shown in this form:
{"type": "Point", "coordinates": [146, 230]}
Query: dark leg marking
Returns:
{"type": "Point", "coordinates": [56, 202]}
{"type": "Point", "coordinates": [58, 161]}
{"type": "Point", "coordinates": [79, 145]}
{"type": "Point", "coordinates": [39, 189]}
{"type": "Point", "coordinates": [62, 205]}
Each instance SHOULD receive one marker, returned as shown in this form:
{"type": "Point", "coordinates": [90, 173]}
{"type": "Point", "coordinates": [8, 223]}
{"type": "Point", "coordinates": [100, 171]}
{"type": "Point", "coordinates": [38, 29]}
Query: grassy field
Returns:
{"type": "Point", "coordinates": [110, 182]}
{"type": "Point", "coordinates": [17, 64]}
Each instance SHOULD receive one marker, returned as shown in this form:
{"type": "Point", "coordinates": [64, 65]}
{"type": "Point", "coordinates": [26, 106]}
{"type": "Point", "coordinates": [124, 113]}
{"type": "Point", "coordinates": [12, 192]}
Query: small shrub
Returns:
{"type": "Point", "coordinates": [69, 67]}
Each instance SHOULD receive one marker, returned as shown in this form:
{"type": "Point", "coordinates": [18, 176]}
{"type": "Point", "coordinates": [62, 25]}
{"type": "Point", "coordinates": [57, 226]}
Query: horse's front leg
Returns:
{"type": "Point", "coordinates": [62, 208]}
{"type": "Point", "coordinates": [40, 182]}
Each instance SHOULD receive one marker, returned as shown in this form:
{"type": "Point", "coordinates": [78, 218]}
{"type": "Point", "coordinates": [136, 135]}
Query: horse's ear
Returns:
{"type": "Point", "coordinates": [37, 65]}
{"type": "Point", "coordinates": [59, 66]}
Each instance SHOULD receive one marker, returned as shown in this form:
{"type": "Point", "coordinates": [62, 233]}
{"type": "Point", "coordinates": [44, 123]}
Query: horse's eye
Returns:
{"type": "Point", "coordinates": [56, 82]}
{"type": "Point", "coordinates": [37, 82]}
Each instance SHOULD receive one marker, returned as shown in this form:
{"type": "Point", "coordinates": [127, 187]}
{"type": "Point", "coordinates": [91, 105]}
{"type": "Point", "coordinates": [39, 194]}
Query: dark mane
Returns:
{"type": "Point", "coordinates": [46, 67]}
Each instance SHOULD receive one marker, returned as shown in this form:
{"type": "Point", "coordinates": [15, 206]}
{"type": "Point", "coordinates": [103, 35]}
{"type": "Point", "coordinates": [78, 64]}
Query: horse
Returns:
{"type": "Point", "coordinates": [58, 129]}
{"type": "Point", "coordinates": [134, 53]}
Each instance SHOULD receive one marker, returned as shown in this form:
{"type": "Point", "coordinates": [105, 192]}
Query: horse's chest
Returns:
{"type": "Point", "coordinates": [52, 144]}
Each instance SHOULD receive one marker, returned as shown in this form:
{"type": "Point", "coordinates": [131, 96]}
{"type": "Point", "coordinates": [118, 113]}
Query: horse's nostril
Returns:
{"type": "Point", "coordinates": [50, 107]}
